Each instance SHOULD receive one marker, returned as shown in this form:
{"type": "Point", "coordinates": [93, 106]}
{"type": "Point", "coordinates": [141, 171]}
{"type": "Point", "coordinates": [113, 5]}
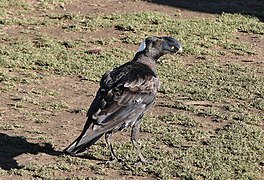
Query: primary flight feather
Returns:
{"type": "Point", "coordinates": [125, 94]}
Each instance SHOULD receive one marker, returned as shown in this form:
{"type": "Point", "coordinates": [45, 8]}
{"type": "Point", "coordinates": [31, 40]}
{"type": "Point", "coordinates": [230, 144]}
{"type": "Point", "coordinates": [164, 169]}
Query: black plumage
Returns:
{"type": "Point", "coordinates": [125, 94]}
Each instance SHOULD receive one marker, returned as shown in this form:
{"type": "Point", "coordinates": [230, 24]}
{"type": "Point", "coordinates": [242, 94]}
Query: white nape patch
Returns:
{"type": "Point", "coordinates": [142, 46]}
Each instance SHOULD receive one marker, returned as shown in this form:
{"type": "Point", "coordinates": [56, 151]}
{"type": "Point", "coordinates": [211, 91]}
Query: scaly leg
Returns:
{"type": "Point", "coordinates": [108, 139]}
{"type": "Point", "coordinates": [135, 137]}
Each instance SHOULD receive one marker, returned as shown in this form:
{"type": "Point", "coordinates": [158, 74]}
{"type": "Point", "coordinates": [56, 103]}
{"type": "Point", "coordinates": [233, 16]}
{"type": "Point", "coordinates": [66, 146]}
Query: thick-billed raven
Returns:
{"type": "Point", "coordinates": [125, 94]}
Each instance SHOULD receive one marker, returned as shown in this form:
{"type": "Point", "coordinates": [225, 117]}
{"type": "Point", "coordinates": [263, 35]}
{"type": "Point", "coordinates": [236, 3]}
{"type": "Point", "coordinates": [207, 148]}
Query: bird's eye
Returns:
{"type": "Point", "coordinates": [172, 47]}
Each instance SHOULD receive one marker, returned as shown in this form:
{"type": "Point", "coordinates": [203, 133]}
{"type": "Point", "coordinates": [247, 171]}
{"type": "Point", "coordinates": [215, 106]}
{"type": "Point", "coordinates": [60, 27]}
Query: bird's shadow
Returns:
{"type": "Point", "coordinates": [13, 146]}
{"type": "Point", "coordinates": [253, 8]}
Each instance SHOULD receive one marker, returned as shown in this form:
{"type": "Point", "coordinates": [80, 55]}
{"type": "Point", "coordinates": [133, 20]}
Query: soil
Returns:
{"type": "Point", "coordinates": [65, 125]}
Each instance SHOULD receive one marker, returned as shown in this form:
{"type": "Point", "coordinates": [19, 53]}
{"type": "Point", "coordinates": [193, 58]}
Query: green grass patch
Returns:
{"type": "Point", "coordinates": [197, 37]}
{"type": "Point", "coordinates": [211, 80]}
{"type": "Point", "coordinates": [235, 152]}
{"type": "Point", "coordinates": [47, 54]}
{"type": "Point", "coordinates": [14, 4]}
{"type": "Point", "coordinates": [177, 143]}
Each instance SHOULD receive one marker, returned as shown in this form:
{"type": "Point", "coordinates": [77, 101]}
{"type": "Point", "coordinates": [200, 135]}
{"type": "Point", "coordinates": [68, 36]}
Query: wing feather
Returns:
{"type": "Point", "coordinates": [124, 95]}
{"type": "Point", "coordinates": [122, 101]}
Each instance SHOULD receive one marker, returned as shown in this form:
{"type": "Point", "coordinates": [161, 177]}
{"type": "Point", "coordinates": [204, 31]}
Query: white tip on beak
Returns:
{"type": "Point", "coordinates": [142, 46]}
{"type": "Point", "coordinates": [180, 50]}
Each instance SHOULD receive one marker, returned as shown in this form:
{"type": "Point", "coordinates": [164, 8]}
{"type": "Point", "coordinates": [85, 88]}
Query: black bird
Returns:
{"type": "Point", "coordinates": [125, 94]}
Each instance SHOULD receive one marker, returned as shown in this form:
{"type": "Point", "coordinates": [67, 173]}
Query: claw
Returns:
{"type": "Point", "coordinates": [114, 160]}
{"type": "Point", "coordinates": [142, 159]}
{"type": "Point", "coordinates": [111, 161]}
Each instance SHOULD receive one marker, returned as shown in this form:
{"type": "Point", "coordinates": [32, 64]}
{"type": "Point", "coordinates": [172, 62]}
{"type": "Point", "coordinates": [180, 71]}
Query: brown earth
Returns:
{"type": "Point", "coordinates": [63, 126]}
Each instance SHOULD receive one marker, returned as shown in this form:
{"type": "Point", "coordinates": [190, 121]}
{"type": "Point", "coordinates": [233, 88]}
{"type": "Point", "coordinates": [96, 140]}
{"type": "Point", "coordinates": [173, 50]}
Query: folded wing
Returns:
{"type": "Point", "coordinates": [125, 94]}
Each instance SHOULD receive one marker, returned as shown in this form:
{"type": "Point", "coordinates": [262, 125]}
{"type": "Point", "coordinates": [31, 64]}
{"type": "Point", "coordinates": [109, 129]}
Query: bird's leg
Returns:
{"type": "Point", "coordinates": [134, 140]}
{"type": "Point", "coordinates": [108, 139]}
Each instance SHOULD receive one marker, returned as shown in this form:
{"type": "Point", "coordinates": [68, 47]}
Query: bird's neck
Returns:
{"type": "Point", "coordinates": [144, 59]}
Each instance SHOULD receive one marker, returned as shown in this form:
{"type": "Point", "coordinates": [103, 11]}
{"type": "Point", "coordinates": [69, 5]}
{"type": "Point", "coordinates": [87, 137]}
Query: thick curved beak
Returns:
{"type": "Point", "coordinates": [180, 50]}
{"type": "Point", "coordinates": [172, 45]}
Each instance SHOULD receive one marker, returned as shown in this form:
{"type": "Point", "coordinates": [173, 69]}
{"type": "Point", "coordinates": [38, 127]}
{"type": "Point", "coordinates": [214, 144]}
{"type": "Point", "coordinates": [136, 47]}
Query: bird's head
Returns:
{"type": "Point", "coordinates": [156, 47]}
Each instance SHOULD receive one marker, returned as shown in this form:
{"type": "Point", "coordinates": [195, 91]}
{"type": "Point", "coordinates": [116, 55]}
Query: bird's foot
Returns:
{"type": "Point", "coordinates": [114, 160]}
{"type": "Point", "coordinates": [142, 159]}
{"type": "Point", "coordinates": [111, 161]}
{"type": "Point", "coordinates": [140, 163]}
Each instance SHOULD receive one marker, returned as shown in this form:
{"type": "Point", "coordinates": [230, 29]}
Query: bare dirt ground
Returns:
{"type": "Point", "coordinates": [63, 126]}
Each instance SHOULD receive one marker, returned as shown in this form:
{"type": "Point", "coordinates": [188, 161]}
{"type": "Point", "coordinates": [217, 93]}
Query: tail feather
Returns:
{"type": "Point", "coordinates": [77, 146]}
{"type": "Point", "coordinates": [87, 138]}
